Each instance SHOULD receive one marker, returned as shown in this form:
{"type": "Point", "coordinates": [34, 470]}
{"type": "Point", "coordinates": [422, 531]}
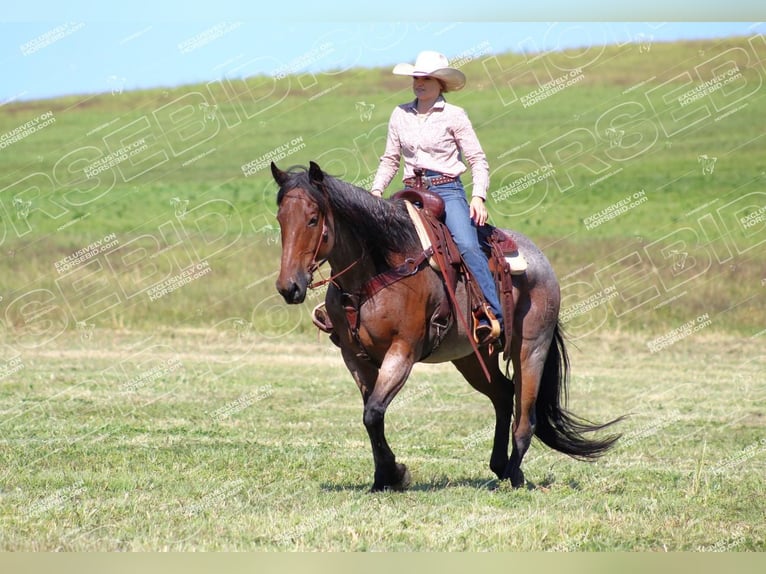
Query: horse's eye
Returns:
{"type": "Point", "coordinates": [313, 221]}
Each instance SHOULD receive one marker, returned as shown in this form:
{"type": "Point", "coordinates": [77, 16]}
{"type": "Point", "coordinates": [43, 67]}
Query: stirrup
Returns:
{"type": "Point", "coordinates": [321, 319]}
{"type": "Point", "coordinates": [516, 262]}
{"type": "Point", "coordinates": [493, 327]}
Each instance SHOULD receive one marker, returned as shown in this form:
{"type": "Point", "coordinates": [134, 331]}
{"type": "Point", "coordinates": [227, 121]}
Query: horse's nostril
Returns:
{"type": "Point", "coordinates": [294, 293]}
{"type": "Point", "coordinates": [291, 292]}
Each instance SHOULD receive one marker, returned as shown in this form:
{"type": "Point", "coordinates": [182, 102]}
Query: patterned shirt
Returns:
{"type": "Point", "coordinates": [437, 140]}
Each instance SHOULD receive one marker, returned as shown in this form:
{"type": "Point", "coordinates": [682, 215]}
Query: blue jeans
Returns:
{"type": "Point", "coordinates": [463, 230]}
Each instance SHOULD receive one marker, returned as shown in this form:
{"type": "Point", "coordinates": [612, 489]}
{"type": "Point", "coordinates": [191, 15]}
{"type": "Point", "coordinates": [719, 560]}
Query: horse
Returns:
{"type": "Point", "coordinates": [383, 331]}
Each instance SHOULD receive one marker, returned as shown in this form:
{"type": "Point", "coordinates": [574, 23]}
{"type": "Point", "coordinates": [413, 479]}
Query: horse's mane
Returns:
{"type": "Point", "coordinates": [384, 227]}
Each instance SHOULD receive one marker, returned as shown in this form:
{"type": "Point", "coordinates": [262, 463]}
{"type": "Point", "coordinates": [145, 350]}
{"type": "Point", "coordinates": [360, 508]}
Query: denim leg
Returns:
{"type": "Point", "coordinates": [463, 230]}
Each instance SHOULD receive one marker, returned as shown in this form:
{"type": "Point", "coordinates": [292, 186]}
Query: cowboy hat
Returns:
{"type": "Point", "coordinates": [435, 65]}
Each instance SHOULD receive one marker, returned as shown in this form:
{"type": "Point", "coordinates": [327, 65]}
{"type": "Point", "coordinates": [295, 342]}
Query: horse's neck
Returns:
{"type": "Point", "coordinates": [350, 258]}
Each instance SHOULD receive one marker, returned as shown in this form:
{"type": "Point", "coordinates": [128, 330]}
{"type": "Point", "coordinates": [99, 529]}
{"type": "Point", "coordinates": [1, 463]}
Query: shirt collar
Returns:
{"type": "Point", "coordinates": [438, 104]}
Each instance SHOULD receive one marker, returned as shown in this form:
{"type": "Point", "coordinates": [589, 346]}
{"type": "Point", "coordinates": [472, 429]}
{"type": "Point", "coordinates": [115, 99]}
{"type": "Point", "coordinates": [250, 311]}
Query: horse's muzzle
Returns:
{"type": "Point", "coordinates": [294, 289]}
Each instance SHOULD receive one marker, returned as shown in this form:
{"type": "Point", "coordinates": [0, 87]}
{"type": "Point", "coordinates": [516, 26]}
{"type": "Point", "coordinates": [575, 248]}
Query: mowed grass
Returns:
{"type": "Point", "coordinates": [225, 440]}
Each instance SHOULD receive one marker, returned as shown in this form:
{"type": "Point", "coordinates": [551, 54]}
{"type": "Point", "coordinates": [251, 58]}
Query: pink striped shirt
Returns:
{"type": "Point", "coordinates": [438, 140]}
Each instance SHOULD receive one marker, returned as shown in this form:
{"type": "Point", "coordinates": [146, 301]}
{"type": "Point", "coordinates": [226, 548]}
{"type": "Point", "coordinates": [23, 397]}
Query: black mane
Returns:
{"type": "Point", "coordinates": [384, 227]}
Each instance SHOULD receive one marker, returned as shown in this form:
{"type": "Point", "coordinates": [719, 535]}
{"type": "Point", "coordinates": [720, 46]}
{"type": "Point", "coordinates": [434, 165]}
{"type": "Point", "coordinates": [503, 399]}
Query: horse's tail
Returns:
{"type": "Point", "coordinates": [556, 426]}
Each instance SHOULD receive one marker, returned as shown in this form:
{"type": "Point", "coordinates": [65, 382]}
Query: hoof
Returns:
{"type": "Point", "coordinates": [499, 468]}
{"type": "Point", "coordinates": [403, 483]}
{"type": "Point", "coordinates": [517, 479]}
{"type": "Point", "coordinates": [405, 479]}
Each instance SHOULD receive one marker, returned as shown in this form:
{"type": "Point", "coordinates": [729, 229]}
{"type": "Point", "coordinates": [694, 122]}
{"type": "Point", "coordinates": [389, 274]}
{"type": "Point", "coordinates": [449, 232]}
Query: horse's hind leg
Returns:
{"type": "Point", "coordinates": [528, 364]}
{"type": "Point", "coordinates": [500, 392]}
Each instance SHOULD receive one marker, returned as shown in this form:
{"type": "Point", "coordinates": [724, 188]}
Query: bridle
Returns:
{"type": "Point", "coordinates": [317, 263]}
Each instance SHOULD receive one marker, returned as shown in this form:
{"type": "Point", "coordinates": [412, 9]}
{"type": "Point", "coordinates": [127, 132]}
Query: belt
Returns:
{"type": "Point", "coordinates": [430, 180]}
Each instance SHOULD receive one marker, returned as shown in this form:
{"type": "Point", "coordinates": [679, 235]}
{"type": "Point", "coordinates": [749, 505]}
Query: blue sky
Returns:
{"type": "Point", "coordinates": [49, 51]}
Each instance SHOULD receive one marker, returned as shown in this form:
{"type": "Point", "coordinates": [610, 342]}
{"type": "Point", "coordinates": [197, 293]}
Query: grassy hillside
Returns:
{"type": "Point", "coordinates": [637, 168]}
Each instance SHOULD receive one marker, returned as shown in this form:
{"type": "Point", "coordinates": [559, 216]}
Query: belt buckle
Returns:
{"type": "Point", "coordinates": [427, 180]}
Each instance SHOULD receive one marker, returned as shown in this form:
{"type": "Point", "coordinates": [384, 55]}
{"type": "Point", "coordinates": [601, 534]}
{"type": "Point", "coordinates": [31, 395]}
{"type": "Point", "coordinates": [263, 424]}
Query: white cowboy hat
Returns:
{"type": "Point", "coordinates": [436, 65]}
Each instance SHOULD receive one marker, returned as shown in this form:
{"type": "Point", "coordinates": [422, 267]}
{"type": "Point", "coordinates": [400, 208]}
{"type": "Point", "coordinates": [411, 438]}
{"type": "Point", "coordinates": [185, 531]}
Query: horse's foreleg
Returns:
{"type": "Point", "coordinates": [391, 377]}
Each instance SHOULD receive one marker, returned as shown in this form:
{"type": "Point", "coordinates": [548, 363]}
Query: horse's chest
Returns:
{"type": "Point", "coordinates": [369, 325]}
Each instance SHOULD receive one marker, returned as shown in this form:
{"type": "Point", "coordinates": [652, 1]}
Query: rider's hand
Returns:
{"type": "Point", "coordinates": [478, 210]}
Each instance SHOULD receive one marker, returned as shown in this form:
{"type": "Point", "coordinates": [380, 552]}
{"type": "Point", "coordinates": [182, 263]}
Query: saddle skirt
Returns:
{"type": "Point", "coordinates": [507, 246]}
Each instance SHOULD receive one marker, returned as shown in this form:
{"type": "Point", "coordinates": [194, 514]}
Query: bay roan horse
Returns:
{"type": "Point", "coordinates": [323, 218]}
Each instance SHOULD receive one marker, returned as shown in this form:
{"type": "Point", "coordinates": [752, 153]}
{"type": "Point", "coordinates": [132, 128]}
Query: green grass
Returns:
{"type": "Point", "coordinates": [218, 440]}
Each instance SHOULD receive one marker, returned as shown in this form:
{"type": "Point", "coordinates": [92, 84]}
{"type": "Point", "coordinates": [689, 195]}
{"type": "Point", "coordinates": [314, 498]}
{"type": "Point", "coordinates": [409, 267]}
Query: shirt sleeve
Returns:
{"type": "Point", "coordinates": [472, 153]}
{"type": "Point", "coordinates": [391, 158]}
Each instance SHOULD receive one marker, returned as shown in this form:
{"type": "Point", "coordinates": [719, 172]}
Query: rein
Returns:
{"type": "Point", "coordinates": [332, 278]}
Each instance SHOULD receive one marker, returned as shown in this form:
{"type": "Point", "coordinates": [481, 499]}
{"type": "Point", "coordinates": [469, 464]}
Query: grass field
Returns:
{"type": "Point", "coordinates": [156, 393]}
{"type": "Point", "coordinates": [221, 441]}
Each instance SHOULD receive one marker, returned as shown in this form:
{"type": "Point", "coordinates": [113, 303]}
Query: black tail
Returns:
{"type": "Point", "coordinates": [556, 426]}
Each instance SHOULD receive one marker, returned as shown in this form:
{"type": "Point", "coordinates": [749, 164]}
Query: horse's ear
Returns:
{"type": "Point", "coordinates": [315, 173]}
{"type": "Point", "coordinates": [279, 176]}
